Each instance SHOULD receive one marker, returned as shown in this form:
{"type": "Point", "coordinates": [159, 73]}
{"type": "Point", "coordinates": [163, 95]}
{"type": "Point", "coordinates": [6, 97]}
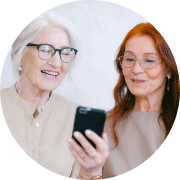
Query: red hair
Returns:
{"type": "Point", "coordinates": [125, 100]}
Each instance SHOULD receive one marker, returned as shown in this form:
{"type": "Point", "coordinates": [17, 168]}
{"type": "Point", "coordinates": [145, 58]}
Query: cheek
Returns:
{"type": "Point", "coordinates": [28, 61]}
{"type": "Point", "coordinates": [152, 74]}
{"type": "Point", "coordinates": [126, 72]}
{"type": "Point", "coordinates": [65, 67]}
{"type": "Point", "coordinates": [156, 80]}
{"type": "Point", "coordinates": [33, 68]}
{"type": "Point", "coordinates": [32, 64]}
{"type": "Point", "coordinates": [156, 74]}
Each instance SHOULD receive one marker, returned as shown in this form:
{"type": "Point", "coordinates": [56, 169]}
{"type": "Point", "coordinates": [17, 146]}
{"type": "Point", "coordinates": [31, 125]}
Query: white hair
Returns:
{"type": "Point", "coordinates": [30, 32]}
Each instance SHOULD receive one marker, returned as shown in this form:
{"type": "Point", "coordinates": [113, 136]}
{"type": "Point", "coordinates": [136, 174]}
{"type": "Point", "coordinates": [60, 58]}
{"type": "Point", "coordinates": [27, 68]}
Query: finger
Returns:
{"type": "Point", "coordinates": [100, 144]}
{"type": "Point", "coordinates": [104, 137]}
{"type": "Point", "coordinates": [75, 147]}
{"type": "Point", "coordinates": [77, 157]}
{"type": "Point", "coordinates": [85, 143]}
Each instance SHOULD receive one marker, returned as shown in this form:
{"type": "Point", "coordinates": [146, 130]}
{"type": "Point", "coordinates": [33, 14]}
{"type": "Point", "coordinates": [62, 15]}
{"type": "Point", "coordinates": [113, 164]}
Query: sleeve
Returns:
{"type": "Point", "coordinates": [75, 171]}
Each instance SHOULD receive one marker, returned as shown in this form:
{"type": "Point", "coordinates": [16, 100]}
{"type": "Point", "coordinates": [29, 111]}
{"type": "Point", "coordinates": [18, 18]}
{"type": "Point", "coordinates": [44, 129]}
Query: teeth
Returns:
{"type": "Point", "coordinates": [138, 81]}
{"type": "Point", "coordinates": [50, 73]}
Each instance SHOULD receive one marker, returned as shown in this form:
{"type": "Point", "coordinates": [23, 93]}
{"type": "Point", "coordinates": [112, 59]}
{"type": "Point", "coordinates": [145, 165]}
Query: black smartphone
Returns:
{"type": "Point", "coordinates": [89, 118]}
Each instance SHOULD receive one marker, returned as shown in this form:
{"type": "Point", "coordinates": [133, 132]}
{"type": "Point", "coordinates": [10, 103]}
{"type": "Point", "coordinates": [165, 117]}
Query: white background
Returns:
{"type": "Point", "coordinates": [102, 27]}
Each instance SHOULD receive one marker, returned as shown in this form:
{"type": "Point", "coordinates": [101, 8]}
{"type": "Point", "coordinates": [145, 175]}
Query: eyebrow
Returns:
{"type": "Point", "coordinates": [151, 53]}
{"type": "Point", "coordinates": [54, 47]}
{"type": "Point", "coordinates": [129, 52]}
{"type": "Point", "coordinates": [147, 53]}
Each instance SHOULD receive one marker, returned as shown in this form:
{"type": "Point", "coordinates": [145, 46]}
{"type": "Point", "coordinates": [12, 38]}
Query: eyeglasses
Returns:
{"type": "Point", "coordinates": [46, 52]}
{"type": "Point", "coordinates": [145, 62]}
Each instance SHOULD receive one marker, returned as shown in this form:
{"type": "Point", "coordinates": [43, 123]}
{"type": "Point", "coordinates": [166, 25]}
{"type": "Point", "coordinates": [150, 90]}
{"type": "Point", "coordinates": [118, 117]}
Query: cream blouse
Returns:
{"type": "Point", "coordinates": [44, 138]}
{"type": "Point", "coordinates": [140, 135]}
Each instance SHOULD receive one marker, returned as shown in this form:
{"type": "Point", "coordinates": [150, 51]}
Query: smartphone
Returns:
{"type": "Point", "coordinates": [89, 118]}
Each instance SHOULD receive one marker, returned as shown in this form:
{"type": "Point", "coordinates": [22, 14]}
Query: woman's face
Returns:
{"type": "Point", "coordinates": [140, 81]}
{"type": "Point", "coordinates": [34, 67]}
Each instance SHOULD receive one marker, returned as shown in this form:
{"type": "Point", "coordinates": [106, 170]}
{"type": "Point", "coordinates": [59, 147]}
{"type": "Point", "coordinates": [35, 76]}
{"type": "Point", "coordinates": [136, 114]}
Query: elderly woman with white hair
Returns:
{"type": "Point", "coordinates": [40, 120]}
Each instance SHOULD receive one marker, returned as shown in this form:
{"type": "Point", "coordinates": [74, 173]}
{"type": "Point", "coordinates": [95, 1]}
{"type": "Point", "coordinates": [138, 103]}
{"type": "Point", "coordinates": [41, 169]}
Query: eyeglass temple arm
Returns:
{"type": "Point", "coordinates": [30, 44]}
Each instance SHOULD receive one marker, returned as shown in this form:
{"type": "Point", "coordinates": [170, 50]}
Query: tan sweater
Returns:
{"type": "Point", "coordinates": [44, 138]}
{"type": "Point", "coordinates": [140, 135]}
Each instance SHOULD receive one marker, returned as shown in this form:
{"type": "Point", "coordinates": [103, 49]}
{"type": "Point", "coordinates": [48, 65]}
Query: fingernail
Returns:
{"type": "Point", "coordinates": [76, 134]}
{"type": "Point", "coordinates": [104, 136]}
{"type": "Point", "coordinates": [69, 140]}
{"type": "Point", "coordinates": [88, 132]}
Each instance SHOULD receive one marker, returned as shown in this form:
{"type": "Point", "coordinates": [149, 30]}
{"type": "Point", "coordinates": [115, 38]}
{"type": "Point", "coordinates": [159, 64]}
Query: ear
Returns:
{"type": "Point", "coordinates": [168, 73]}
{"type": "Point", "coordinates": [13, 55]}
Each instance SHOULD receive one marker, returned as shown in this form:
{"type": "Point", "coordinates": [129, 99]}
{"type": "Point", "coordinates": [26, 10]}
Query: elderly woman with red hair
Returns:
{"type": "Point", "coordinates": [146, 99]}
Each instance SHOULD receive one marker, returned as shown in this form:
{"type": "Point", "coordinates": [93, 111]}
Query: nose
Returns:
{"type": "Point", "coordinates": [55, 61]}
{"type": "Point", "coordinates": [137, 69]}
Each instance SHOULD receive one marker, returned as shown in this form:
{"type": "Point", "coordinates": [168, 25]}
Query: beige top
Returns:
{"type": "Point", "coordinates": [44, 138]}
{"type": "Point", "coordinates": [140, 135]}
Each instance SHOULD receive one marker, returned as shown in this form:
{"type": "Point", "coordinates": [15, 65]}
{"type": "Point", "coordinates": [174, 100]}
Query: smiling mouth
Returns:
{"type": "Point", "coordinates": [137, 81]}
{"type": "Point", "coordinates": [50, 73]}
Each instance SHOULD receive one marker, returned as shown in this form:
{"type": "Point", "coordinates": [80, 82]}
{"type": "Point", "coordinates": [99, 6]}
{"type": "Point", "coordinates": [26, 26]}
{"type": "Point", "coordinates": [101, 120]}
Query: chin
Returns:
{"type": "Point", "coordinates": [48, 86]}
{"type": "Point", "coordinates": [138, 93]}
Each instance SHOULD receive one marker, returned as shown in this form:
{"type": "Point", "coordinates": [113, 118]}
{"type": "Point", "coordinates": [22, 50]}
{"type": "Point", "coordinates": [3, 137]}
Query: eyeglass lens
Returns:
{"type": "Point", "coordinates": [145, 62]}
{"type": "Point", "coordinates": [46, 52]}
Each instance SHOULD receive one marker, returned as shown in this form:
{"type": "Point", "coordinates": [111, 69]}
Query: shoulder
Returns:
{"type": "Point", "coordinates": [113, 125]}
{"type": "Point", "coordinates": [11, 88]}
{"type": "Point", "coordinates": [5, 91]}
{"type": "Point", "coordinates": [62, 103]}
{"type": "Point", "coordinates": [62, 100]}
{"type": "Point", "coordinates": [64, 108]}
{"type": "Point", "coordinates": [2, 91]}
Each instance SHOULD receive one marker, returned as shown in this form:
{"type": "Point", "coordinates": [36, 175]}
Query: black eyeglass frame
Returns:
{"type": "Point", "coordinates": [60, 50]}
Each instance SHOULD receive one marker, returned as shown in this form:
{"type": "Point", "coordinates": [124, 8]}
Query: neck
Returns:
{"type": "Point", "coordinates": [32, 94]}
{"type": "Point", "coordinates": [148, 104]}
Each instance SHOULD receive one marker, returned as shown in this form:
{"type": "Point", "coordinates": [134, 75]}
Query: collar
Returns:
{"type": "Point", "coordinates": [27, 105]}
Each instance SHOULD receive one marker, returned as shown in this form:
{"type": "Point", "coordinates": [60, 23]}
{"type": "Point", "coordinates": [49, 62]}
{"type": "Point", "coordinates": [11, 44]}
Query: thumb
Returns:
{"type": "Point", "coordinates": [104, 137]}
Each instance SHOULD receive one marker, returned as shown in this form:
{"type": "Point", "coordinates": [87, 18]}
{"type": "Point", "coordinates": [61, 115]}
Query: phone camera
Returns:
{"type": "Point", "coordinates": [83, 111]}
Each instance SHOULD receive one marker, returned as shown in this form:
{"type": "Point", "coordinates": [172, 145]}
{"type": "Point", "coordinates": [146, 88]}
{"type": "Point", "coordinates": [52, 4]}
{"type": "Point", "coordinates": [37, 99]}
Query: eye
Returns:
{"type": "Point", "coordinates": [66, 52]}
{"type": "Point", "coordinates": [46, 49]}
{"type": "Point", "coordinates": [150, 61]}
{"type": "Point", "coordinates": [129, 59]}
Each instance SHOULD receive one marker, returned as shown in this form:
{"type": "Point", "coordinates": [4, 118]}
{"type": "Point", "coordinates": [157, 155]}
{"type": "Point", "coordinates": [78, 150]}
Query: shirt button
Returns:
{"type": "Point", "coordinates": [37, 124]}
{"type": "Point", "coordinates": [33, 149]}
{"type": "Point", "coordinates": [42, 109]}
